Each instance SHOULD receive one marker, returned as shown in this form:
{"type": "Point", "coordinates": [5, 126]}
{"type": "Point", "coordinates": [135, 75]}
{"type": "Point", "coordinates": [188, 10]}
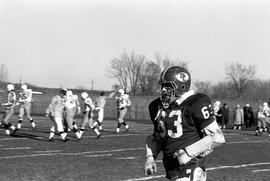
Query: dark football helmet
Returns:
{"type": "Point", "coordinates": [63, 92]}
{"type": "Point", "coordinates": [174, 81]}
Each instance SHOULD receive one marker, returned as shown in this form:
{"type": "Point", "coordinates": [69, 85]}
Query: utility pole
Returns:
{"type": "Point", "coordinates": [92, 84]}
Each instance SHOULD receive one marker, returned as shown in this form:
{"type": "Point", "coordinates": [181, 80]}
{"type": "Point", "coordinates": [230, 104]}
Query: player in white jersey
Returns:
{"type": "Point", "coordinates": [100, 104]}
{"type": "Point", "coordinates": [263, 119]}
{"type": "Point", "coordinates": [55, 112]}
{"type": "Point", "coordinates": [72, 107]}
{"type": "Point", "coordinates": [25, 102]}
{"type": "Point", "coordinates": [9, 109]}
{"type": "Point", "coordinates": [123, 102]}
{"type": "Point", "coordinates": [88, 114]}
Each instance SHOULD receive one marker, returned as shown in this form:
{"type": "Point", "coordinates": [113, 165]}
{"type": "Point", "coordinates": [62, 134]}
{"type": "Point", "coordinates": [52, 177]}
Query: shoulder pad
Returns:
{"type": "Point", "coordinates": [125, 96]}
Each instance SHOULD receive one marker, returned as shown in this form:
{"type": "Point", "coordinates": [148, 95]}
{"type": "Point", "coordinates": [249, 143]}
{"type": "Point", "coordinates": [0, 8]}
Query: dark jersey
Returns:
{"type": "Point", "coordinates": [179, 126]}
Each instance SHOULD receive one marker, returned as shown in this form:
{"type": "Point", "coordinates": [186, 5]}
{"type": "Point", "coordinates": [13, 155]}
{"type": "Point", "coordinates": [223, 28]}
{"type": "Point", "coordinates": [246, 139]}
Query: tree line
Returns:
{"type": "Point", "coordinates": [139, 75]}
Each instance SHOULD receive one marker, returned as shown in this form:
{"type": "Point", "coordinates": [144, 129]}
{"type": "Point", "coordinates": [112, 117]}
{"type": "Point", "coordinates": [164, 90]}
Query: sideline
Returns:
{"type": "Point", "coordinates": [208, 169]}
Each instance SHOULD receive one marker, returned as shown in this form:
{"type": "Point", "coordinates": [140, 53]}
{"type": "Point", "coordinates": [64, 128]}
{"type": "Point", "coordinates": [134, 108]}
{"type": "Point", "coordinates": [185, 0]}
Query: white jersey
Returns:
{"type": "Point", "coordinates": [101, 101]}
{"type": "Point", "coordinates": [57, 106]}
{"type": "Point", "coordinates": [263, 112]}
{"type": "Point", "coordinates": [72, 101]}
{"type": "Point", "coordinates": [26, 96]}
{"type": "Point", "coordinates": [11, 100]}
{"type": "Point", "coordinates": [88, 104]}
{"type": "Point", "coordinates": [123, 101]}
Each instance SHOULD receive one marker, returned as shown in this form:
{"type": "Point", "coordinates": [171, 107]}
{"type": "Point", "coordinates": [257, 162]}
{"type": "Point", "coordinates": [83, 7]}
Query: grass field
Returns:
{"type": "Point", "coordinates": [119, 157]}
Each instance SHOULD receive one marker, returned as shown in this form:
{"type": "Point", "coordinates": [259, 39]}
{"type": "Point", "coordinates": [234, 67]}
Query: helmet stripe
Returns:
{"type": "Point", "coordinates": [163, 74]}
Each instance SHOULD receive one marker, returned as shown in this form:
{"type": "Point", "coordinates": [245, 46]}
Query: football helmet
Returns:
{"type": "Point", "coordinates": [69, 93]}
{"type": "Point", "coordinates": [84, 95]}
{"type": "Point", "coordinates": [174, 81]}
{"type": "Point", "coordinates": [121, 91]}
{"type": "Point", "coordinates": [63, 92]}
{"type": "Point", "coordinates": [10, 87]}
{"type": "Point", "coordinates": [24, 87]}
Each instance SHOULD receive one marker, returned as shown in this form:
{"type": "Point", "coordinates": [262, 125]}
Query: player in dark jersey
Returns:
{"type": "Point", "coordinates": [185, 130]}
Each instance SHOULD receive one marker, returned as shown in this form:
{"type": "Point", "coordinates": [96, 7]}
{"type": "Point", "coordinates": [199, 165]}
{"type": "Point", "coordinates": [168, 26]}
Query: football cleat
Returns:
{"type": "Point", "coordinates": [14, 131]}
{"type": "Point", "coordinates": [99, 135]}
{"type": "Point", "coordinates": [127, 128]}
{"type": "Point", "coordinates": [79, 135]}
{"type": "Point", "coordinates": [7, 132]}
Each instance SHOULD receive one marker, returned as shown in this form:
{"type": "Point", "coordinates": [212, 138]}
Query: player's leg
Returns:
{"type": "Point", "coordinates": [85, 122]}
{"type": "Point", "coordinates": [74, 123]}
{"type": "Point", "coordinates": [21, 114]}
{"type": "Point", "coordinates": [52, 132]}
{"type": "Point", "coordinates": [259, 127]}
{"type": "Point", "coordinates": [60, 127]}
{"type": "Point", "coordinates": [6, 120]}
{"type": "Point", "coordinates": [100, 118]}
{"type": "Point", "coordinates": [70, 119]}
{"type": "Point", "coordinates": [122, 115]}
{"type": "Point", "coordinates": [28, 114]}
{"type": "Point", "coordinates": [92, 125]}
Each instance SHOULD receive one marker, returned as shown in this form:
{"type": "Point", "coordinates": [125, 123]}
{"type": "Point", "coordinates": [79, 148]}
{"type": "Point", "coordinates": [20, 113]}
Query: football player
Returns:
{"type": "Point", "coordinates": [25, 102]}
{"type": "Point", "coordinates": [72, 108]}
{"type": "Point", "coordinates": [123, 103]}
{"type": "Point", "coordinates": [100, 104]}
{"type": "Point", "coordinates": [55, 112]}
{"type": "Point", "coordinates": [9, 109]}
{"type": "Point", "coordinates": [263, 119]}
{"type": "Point", "coordinates": [217, 112]}
{"type": "Point", "coordinates": [88, 114]}
{"type": "Point", "coordinates": [185, 129]}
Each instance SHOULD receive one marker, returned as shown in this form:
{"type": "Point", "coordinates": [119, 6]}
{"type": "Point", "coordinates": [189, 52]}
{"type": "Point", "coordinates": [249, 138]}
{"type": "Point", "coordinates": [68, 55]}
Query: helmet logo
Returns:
{"type": "Point", "coordinates": [182, 77]}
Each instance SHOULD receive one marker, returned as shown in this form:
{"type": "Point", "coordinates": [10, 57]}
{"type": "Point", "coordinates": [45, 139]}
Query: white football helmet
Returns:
{"type": "Point", "coordinates": [24, 87]}
{"type": "Point", "coordinates": [69, 93]}
{"type": "Point", "coordinates": [121, 91]}
{"type": "Point", "coordinates": [10, 87]}
{"type": "Point", "coordinates": [218, 103]}
{"type": "Point", "coordinates": [84, 95]}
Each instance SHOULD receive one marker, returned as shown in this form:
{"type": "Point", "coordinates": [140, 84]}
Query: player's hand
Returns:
{"type": "Point", "coordinates": [182, 156]}
{"type": "Point", "coordinates": [150, 166]}
{"type": "Point", "coordinates": [17, 103]}
{"type": "Point", "coordinates": [46, 115]}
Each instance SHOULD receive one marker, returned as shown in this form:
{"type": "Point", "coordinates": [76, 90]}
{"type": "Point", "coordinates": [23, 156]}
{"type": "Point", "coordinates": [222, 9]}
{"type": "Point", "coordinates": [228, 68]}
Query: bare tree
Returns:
{"type": "Point", "coordinates": [203, 87]}
{"type": "Point", "coordinates": [167, 62]}
{"type": "Point", "coordinates": [150, 77]}
{"type": "Point", "coordinates": [240, 75]}
{"type": "Point", "coordinates": [118, 70]}
{"type": "Point", "coordinates": [127, 69]}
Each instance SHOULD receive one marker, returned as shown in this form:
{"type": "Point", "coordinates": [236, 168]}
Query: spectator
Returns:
{"type": "Point", "coordinates": [248, 115]}
{"type": "Point", "coordinates": [224, 112]}
{"type": "Point", "coordinates": [238, 117]}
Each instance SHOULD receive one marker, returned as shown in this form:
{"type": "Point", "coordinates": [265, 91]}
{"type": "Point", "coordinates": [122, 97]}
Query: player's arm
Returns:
{"type": "Point", "coordinates": [153, 142]}
{"type": "Point", "coordinates": [153, 148]}
{"type": "Point", "coordinates": [212, 139]}
{"type": "Point", "coordinates": [51, 106]}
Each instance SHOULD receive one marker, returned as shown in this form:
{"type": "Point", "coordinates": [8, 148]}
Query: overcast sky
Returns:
{"type": "Point", "coordinates": [68, 43]}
